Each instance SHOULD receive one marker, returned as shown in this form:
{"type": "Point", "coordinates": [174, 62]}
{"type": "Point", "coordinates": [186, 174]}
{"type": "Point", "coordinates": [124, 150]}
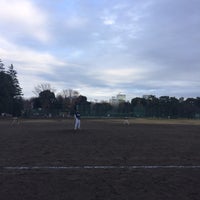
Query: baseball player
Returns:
{"type": "Point", "coordinates": [77, 118]}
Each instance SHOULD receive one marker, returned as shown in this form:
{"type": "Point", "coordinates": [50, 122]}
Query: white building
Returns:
{"type": "Point", "coordinates": [118, 99]}
{"type": "Point", "coordinates": [121, 97]}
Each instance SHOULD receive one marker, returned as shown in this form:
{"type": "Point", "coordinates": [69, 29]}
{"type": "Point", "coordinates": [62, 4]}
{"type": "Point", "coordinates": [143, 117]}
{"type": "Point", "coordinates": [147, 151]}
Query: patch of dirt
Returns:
{"type": "Point", "coordinates": [99, 142]}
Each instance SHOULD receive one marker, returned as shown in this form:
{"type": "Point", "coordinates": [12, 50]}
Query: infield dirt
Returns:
{"type": "Point", "coordinates": [54, 143]}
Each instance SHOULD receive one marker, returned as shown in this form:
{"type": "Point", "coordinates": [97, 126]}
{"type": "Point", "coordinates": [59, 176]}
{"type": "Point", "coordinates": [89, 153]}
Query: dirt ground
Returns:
{"type": "Point", "coordinates": [54, 143]}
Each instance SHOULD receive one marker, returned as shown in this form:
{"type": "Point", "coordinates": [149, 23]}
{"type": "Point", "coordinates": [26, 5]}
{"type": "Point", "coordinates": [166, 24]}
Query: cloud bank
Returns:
{"type": "Point", "coordinates": [101, 48]}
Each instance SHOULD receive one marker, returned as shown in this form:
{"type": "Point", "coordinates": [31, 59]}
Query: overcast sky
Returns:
{"type": "Point", "coordinates": [101, 47]}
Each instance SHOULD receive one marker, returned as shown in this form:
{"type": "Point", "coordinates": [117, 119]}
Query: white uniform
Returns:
{"type": "Point", "coordinates": [77, 121]}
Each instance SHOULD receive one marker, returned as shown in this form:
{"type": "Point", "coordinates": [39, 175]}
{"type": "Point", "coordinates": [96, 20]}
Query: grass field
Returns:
{"type": "Point", "coordinates": [148, 159]}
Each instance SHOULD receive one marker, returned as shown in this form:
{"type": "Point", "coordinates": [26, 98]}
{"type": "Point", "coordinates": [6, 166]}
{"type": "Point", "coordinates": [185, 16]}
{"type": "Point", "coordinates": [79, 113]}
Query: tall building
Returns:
{"type": "Point", "coordinates": [115, 100]}
{"type": "Point", "coordinates": [121, 97]}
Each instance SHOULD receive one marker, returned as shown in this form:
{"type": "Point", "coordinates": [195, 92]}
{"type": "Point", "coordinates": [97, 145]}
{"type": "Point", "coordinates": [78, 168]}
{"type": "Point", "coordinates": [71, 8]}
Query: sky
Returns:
{"type": "Point", "coordinates": [101, 48]}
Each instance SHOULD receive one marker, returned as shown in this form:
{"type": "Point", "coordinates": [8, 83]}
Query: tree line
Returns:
{"type": "Point", "coordinates": [47, 104]}
{"type": "Point", "coordinates": [65, 104]}
{"type": "Point", "coordinates": [10, 91]}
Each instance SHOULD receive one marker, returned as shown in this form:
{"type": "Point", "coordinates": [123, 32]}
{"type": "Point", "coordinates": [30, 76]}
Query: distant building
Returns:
{"type": "Point", "coordinates": [121, 97]}
{"type": "Point", "coordinates": [115, 100]}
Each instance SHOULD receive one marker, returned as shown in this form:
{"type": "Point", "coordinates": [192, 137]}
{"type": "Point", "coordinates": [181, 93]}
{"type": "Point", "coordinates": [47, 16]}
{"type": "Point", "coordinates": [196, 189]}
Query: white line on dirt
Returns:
{"type": "Point", "coordinates": [131, 167]}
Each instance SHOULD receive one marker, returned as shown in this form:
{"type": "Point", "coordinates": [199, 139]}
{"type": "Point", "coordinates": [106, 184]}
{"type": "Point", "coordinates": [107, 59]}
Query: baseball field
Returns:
{"type": "Point", "coordinates": [106, 159]}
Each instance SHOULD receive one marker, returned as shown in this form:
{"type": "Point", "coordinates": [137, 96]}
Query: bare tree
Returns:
{"type": "Point", "coordinates": [43, 87]}
{"type": "Point", "coordinates": [69, 93]}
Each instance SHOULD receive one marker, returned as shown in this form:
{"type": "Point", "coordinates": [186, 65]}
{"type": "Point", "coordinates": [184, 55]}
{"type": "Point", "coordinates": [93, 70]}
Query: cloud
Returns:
{"type": "Point", "coordinates": [30, 64]}
{"type": "Point", "coordinates": [113, 77]}
{"type": "Point", "coordinates": [28, 60]}
{"type": "Point", "coordinates": [104, 47]}
{"type": "Point", "coordinates": [169, 33]}
{"type": "Point", "coordinates": [23, 17]}
{"type": "Point", "coordinates": [75, 22]}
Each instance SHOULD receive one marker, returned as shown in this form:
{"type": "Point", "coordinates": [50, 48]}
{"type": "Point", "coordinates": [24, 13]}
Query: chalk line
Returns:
{"type": "Point", "coordinates": [88, 167]}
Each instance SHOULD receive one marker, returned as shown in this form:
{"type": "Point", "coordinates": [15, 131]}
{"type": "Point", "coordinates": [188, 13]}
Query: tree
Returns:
{"type": "Point", "coordinates": [17, 90]}
{"type": "Point", "coordinates": [189, 108]}
{"type": "Point", "coordinates": [101, 109]}
{"type": "Point", "coordinates": [10, 91]}
{"type": "Point", "coordinates": [6, 95]}
{"type": "Point", "coordinates": [152, 107]}
{"type": "Point", "coordinates": [138, 105]}
{"type": "Point", "coordinates": [61, 105]}
{"type": "Point", "coordinates": [43, 87]}
{"type": "Point", "coordinates": [2, 69]}
{"type": "Point", "coordinates": [124, 108]}
{"type": "Point", "coordinates": [174, 107]}
{"type": "Point", "coordinates": [70, 93]}
{"type": "Point", "coordinates": [47, 100]}
{"type": "Point", "coordinates": [70, 96]}
{"type": "Point", "coordinates": [83, 105]}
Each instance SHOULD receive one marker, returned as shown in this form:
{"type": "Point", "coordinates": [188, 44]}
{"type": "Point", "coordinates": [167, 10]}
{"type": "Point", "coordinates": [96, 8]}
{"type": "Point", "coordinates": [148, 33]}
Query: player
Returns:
{"type": "Point", "coordinates": [77, 118]}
